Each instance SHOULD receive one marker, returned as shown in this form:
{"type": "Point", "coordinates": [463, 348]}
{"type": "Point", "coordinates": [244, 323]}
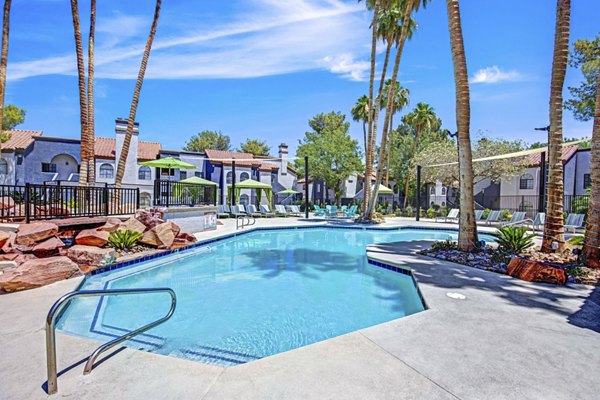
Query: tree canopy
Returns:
{"type": "Point", "coordinates": [332, 153]}
{"type": "Point", "coordinates": [211, 140]}
{"type": "Point", "coordinates": [585, 55]}
{"type": "Point", "coordinates": [11, 117]}
{"type": "Point", "coordinates": [256, 147]}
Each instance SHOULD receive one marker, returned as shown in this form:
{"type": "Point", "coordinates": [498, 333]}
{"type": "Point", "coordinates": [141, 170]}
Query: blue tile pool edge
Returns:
{"type": "Point", "coordinates": [401, 270]}
{"type": "Point", "coordinates": [205, 242]}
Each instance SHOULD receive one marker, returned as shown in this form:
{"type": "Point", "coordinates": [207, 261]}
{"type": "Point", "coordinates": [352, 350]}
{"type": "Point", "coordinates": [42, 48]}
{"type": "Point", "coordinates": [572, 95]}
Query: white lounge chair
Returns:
{"type": "Point", "coordinates": [452, 215]}
{"type": "Point", "coordinates": [539, 220]}
{"type": "Point", "coordinates": [251, 210]}
{"type": "Point", "coordinates": [238, 210]}
{"type": "Point", "coordinates": [295, 211]}
{"type": "Point", "coordinates": [280, 210]}
{"type": "Point", "coordinates": [518, 218]}
{"type": "Point", "coordinates": [221, 212]}
{"type": "Point", "coordinates": [574, 222]}
{"type": "Point", "coordinates": [493, 217]}
{"type": "Point", "coordinates": [265, 211]}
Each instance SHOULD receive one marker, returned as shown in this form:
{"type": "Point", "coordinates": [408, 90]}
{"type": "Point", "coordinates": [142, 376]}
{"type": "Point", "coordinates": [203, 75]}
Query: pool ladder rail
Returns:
{"type": "Point", "coordinates": [60, 305]}
{"type": "Point", "coordinates": [246, 220]}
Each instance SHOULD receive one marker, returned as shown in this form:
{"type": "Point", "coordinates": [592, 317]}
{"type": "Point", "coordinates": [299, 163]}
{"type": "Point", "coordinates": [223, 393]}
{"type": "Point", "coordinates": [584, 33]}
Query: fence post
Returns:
{"type": "Point", "coordinates": [168, 193]}
{"type": "Point", "coordinates": [27, 205]}
{"type": "Point", "coordinates": [418, 215]}
{"type": "Point", "coordinates": [137, 200]}
{"type": "Point", "coordinates": [542, 183]}
{"type": "Point", "coordinates": [105, 198]}
{"type": "Point", "coordinates": [306, 187]}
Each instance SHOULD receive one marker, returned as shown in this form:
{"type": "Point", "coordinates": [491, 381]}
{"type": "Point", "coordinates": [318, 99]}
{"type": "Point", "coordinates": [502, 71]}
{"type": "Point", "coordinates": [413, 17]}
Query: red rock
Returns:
{"type": "Point", "coordinates": [4, 237]}
{"type": "Point", "coordinates": [186, 236]}
{"type": "Point", "coordinates": [132, 224]}
{"type": "Point", "coordinates": [150, 217]}
{"type": "Point", "coordinates": [91, 255]}
{"type": "Point", "coordinates": [6, 202]}
{"type": "Point", "coordinates": [92, 237]}
{"type": "Point", "coordinates": [6, 266]}
{"type": "Point", "coordinates": [535, 271]}
{"type": "Point", "coordinates": [10, 243]}
{"type": "Point", "coordinates": [38, 272]}
{"type": "Point", "coordinates": [111, 225]}
{"type": "Point", "coordinates": [161, 236]}
{"type": "Point", "coordinates": [9, 256]}
{"type": "Point", "coordinates": [47, 248]}
{"type": "Point", "coordinates": [29, 234]}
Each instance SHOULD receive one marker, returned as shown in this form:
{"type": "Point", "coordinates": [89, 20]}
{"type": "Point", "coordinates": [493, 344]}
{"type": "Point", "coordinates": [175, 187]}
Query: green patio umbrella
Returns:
{"type": "Point", "coordinates": [168, 163]}
{"type": "Point", "coordinates": [288, 191]}
{"type": "Point", "coordinates": [384, 189]}
{"type": "Point", "coordinates": [252, 184]}
{"type": "Point", "coordinates": [199, 181]}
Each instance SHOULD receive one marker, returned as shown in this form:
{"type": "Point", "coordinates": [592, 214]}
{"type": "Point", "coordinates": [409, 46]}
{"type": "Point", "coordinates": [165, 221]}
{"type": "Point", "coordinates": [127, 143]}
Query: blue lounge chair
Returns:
{"type": "Point", "coordinates": [539, 220]}
{"type": "Point", "coordinates": [265, 211]}
{"type": "Point", "coordinates": [493, 217]}
{"type": "Point", "coordinates": [518, 218]}
{"type": "Point", "coordinates": [574, 222]}
{"type": "Point", "coordinates": [319, 212]}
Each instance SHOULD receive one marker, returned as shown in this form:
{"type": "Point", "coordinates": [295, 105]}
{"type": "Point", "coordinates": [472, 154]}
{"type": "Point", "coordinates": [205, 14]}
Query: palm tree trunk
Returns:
{"type": "Point", "coordinates": [413, 150]}
{"type": "Point", "coordinates": [388, 109]}
{"type": "Point", "coordinates": [3, 65]}
{"type": "Point", "coordinates": [83, 171]}
{"type": "Point", "coordinates": [389, 150]}
{"type": "Point", "coordinates": [467, 236]}
{"type": "Point", "coordinates": [365, 135]}
{"type": "Point", "coordinates": [90, 99]}
{"type": "Point", "coordinates": [554, 226]}
{"type": "Point", "coordinates": [368, 155]}
{"type": "Point", "coordinates": [135, 100]}
{"type": "Point", "coordinates": [591, 244]}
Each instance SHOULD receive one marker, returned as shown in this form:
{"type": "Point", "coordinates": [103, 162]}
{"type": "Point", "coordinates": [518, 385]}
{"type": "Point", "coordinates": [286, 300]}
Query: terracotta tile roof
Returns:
{"type": "Point", "coordinates": [105, 148]}
{"type": "Point", "coordinates": [20, 139]}
{"type": "Point", "coordinates": [241, 159]}
{"type": "Point", "coordinates": [567, 153]}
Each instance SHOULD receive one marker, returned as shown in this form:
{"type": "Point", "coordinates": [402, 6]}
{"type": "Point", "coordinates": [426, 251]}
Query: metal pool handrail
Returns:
{"type": "Point", "coordinates": [64, 301]}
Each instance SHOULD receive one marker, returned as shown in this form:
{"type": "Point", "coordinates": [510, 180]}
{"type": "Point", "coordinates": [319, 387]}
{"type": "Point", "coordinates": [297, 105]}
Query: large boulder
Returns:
{"type": "Point", "coordinates": [92, 237]}
{"type": "Point", "coordinates": [161, 236]}
{"type": "Point", "coordinates": [535, 271]}
{"type": "Point", "coordinates": [4, 237]}
{"type": "Point", "coordinates": [111, 225]}
{"type": "Point", "coordinates": [91, 255]}
{"type": "Point", "coordinates": [150, 217]}
{"type": "Point", "coordinates": [38, 272]}
{"type": "Point", "coordinates": [48, 247]}
{"type": "Point", "coordinates": [29, 234]}
{"type": "Point", "coordinates": [6, 202]}
{"type": "Point", "coordinates": [132, 224]}
{"type": "Point", "coordinates": [9, 245]}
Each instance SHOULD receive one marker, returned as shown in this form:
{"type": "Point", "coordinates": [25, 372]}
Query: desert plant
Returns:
{"type": "Point", "coordinates": [124, 240]}
{"type": "Point", "coordinates": [444, 245]}
{"type": "Point", "coordinates": [431, 213]}
{"type": "Point", "coordinates": [576, 240]}
{"type": "Point", "coordinates": [514, 239]}
{"type": "Point", "coordinates": [409, 212]}
{"type": "Point", "coordinates": [486, 213]}
{"type": "Point", "coordinates": [505, 214]}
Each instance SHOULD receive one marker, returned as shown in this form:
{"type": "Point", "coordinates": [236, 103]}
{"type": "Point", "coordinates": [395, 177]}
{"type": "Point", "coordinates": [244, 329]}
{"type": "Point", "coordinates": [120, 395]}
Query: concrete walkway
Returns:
{"type": "Point", "coordinates": [507, 339]}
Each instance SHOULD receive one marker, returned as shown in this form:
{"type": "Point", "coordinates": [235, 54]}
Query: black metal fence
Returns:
{"type": "Point", "coordinates": [172, 193]}
{"type": "Point", "coordinates": [39, 202]}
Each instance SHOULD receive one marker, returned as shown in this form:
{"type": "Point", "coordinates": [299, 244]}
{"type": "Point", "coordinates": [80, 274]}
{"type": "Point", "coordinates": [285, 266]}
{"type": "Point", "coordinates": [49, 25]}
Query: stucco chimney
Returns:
{"type": "Point", "coordinates": [283, 155]}
{"type": "Point", "coordinates": [131, 165]}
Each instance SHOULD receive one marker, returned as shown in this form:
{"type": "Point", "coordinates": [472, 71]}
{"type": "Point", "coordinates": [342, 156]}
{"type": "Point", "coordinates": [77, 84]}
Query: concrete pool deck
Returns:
{"type": "Point", "coordinates": [507, 339]}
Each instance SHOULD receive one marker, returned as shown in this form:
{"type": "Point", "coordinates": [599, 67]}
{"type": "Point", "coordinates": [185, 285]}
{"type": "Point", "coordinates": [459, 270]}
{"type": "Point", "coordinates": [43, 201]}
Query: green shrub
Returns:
{"type": "Point", "coordinates": [431, 213]}
{"type": "Point", "coordinates": [444, 245]}
{"type": "Point", "coordinates": [576, 240]}
{"type": "Point", "coordinates": [444, 211]}
{"type": "Point", "coordinates": [486, 213]}
{"type": "Point", "coordinates": [514, 239]}
{"type": "Point", "coordinates": [505, 214]}
{"type": "Point", "coordinates": [409, 212]}
{"type": "Point", "coordinates": [124, 240]}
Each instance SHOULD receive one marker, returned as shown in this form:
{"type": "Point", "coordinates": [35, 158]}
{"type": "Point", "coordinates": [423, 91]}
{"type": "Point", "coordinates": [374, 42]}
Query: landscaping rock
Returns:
{"type": "Point", "coordinates": [91, 255]}
{"type": "Point", "coordinates": [8, 265]}
{"type": "Point", "coordinates": [132, 224]}
{"type": "Point", "coordinates": [534, 271]}
{"type": "Point", "coordinates": [187, 237]}
{"type": "Point", "coordinates": [111, 225]}
{"type": "Point", "coordinates": [6, 203]}
{"type": "Point", "coordinates": [150, 217]}
{"type": "Point", "coordinates": [29, 234]}
{"type": "Point", "coordinates": [38, 272]}
{"type": "Point", "coordinates": [161, 236]}
{"type": "Point", "coordinates": [48, 247]}
{"type": "Point", "coordinates": [4, 237]}
{"type": "Point", "coordinates": [92, 237]}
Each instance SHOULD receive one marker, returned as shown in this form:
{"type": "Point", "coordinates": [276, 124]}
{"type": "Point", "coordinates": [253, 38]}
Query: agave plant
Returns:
{"type": "Point", "coordinates": [514, 239]}
{"type": "Point", "coordinates": [124, 240]}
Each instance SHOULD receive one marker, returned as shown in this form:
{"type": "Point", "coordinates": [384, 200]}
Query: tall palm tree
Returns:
{"type": "Point", "coordinates": [467, 236]}
{"type": "Point", "coordinates": [591, 243]}
{"type": "Point", "coordinates": [422, 118]}
{"type": "Point", "coordinates": [90, 99]}
{"type": "Point", "coordinates": [401, 97]}
{"type": "Point", "coordinates": [407, 7]}
{"type": "Point", "coordinates": [3, 64]}
{"type": "Point", "coordinates": [360, 112]}
{"type": "Point", "coordinates": [554, 226]}
{"type": "Point", "coordinates": [135, 100]}
{"type": "Point", "coordinates": [84, 148]}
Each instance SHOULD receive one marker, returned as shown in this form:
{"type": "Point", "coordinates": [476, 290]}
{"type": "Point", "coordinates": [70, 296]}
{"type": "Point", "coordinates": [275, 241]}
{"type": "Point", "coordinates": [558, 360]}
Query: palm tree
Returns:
{"type": "Point", "coordinates": [360, 112]}
{"type": "Point", "coordinates": [84, 148]}
{"type": "Point", "coordinates": [135, 100]}
{"type": "Point", "coordinates": [400, 99]}
{"type": "Point", "coordinates": [422, 118]}
{"type": "Point", "coordinates": [591, 243]}
{"type": "Point", "coordinates": [3, 64]}
{"type": "Point", "coordinates": [554, 226]}
{"type": "Point", "coordinates": [467, 236]}
{"type": "Point", "coordinates": [90, 99]}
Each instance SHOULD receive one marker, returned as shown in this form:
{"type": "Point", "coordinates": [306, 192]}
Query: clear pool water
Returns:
{"type": "Point", "coordinates": [254, 295]}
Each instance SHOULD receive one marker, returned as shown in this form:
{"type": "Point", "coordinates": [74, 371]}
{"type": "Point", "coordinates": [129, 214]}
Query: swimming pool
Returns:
{"type": "Point", "coordinates": [254, 295]}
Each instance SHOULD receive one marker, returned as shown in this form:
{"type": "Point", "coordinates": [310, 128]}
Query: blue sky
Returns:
{"type": "Point", "coordinates": [262, 68]}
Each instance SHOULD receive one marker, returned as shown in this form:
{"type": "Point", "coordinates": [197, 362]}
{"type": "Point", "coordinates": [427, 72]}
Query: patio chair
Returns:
{"type": "Point", "coordinates": [493, 217]}
{"type": "Point", "coordinates": [238, 210]}
{"type": "Point", "coordinates": [478, 215]}
{"type": "Point", "coordinates": [265, 211]}
{"type": "Point", "coordinates": [221, 213]}
{"type": "Point", "coordinates": [332, 211]}
{"type": "Point", "coordinates": [574, 222]}
{"type": "Point", "coordinates": [319, 212]}
{"type": "Point", "coordinates": [539, 220]}
{"type": "Point", "coordinates": [452, 215]}
{"type": "Point", "coordinates": [296, 210]}
{"type": "Point", "coordinates": [251, 210]}
{"type": "Point", "coordinates": [518, 218]}
{"type": "Point", "coordinates": [280, 210]}
{"type": "Point", "coordinates": [351, 212]}
{"type": "Point", "coordinates": [293, 211]}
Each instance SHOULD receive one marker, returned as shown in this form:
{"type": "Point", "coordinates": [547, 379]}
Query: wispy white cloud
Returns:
{"type": "Point", "coordinates": [494, 74]}
{"type": "Point", "coordinates": [270, 37]}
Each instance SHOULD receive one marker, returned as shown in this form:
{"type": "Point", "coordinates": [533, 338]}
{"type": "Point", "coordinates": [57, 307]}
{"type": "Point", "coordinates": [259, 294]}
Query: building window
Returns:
{"type": "Point", "coordinates": [443, 191]}
{"type": "Point", "coordinates": [229, 177]}
{"type": "Point", "coordinates": [244, 176]}
{"type": "Point", "coordinates": [432, 191]}
{"type": "Point", "coordinates": [182, 175]}
{"type": "Point", "coordinates": [3, 167]}
{"type": "Point", "coordinates": [587, 181]}
{"type": "Point", "coordinates": [167, 172]}
{"type": "Point", "coordinates": [526, 181]}
{"type": "Point", "coordinates": [48, 167]}
{"type": "Point", "coordinates": [198, 174]}
{"type": "Point", "coordinates": [144, 173]}
{"type": "Point", "coordinates": [106, 171]}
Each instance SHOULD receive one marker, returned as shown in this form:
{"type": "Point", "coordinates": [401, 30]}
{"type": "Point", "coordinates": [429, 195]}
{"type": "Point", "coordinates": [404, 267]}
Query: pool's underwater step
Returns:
{"type": "Point", "coordinates": [61, 304]}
